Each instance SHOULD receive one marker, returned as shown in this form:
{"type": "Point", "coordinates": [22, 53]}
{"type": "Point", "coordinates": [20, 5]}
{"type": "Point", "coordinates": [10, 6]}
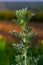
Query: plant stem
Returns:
{"type": "Point", "coordinates": [20, 60]}
{"type": "Point", "coordinates": [25, 57]}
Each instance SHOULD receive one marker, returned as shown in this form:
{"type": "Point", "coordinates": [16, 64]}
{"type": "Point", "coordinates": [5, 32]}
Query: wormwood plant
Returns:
{"type": "Point", "coordinates": [23, 49]}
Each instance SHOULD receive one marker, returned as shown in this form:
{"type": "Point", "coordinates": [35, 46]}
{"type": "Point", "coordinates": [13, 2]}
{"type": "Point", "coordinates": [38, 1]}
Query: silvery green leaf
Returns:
{"type": "Point", "coordinates": [14, 32]}
{"type": "Point", "coordinates": [20, 46]}
{"type": "Point", "coordinates": [31, 35]}
{"type": "Point", "coordinates": [29, 17]}
{"type": "Point", "coordinates": [28, 29]}
{"type": "Point", "coordinates": [28, 47]}
{"type": "Point", "coordinates": [14, 45]}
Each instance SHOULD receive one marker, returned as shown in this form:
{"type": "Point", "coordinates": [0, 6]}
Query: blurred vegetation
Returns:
{"type": "Point", "coordinates": [9, 15]}
{"type": "Point", "coordinates": [6, 52]}
{"type": "Point", "coordinates": [38, 17]}
{"type": "Point", "coordinates": [40, 51]}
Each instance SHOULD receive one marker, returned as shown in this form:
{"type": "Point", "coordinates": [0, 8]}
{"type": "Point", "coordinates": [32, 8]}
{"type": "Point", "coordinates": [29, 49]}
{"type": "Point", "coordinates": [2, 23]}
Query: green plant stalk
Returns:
{"type": "Point", "coordinates": [20, 60]}
{"type": "Point", "coordinates": [25, 57]}
{"type": "Point", "coordinates": [25, 51]}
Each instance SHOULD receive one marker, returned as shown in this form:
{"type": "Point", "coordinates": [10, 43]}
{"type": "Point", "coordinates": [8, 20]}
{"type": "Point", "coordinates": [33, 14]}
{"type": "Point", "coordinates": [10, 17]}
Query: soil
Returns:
{"type": "Point", "coordinates": [6, 26]}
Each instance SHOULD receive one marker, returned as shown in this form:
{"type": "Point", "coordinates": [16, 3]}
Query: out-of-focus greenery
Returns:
{"type": "Point", "coordinates": [6, 52]}
{"type": "Point", "coordinates": [38, 17]}
{"type": "Point", "coordinates": [40, 51]}
{"type": "Point", "coordinates": [2, 44]}
{"type": "Point", "coordinates": [9, 15]}
{"type": "Point", "coordinates": [3, 56]}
